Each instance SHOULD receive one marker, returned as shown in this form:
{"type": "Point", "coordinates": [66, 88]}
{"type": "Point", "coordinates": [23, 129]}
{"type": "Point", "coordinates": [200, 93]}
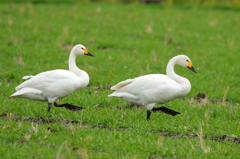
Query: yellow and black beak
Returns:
{"type": "Point", "coordinates": [87, 53]}
{"type": "Point", "coordinates": [191, 67]}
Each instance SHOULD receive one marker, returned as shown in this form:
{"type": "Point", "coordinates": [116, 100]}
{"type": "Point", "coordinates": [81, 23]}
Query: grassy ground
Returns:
{"type": "Point", "coordinates": [127, 41]}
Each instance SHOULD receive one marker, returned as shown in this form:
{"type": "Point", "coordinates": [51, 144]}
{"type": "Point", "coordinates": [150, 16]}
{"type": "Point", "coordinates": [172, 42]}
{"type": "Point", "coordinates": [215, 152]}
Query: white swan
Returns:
{"type": "Point", "coordinates": [51, 85]}
{"type": "Point", "coordinates": [153, 89]}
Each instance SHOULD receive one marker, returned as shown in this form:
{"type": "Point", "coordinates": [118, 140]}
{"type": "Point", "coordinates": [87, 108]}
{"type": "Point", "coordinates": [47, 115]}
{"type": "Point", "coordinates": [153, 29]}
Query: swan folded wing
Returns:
{"type": "Point", "coordinates": [121, 84]}
{"type": "Point", "coordinates": [52, 82]}
{"type": "Point", "coordinates": [55, 77]}
{"type": "Point", "coordinates": [137, 84]}
{"type": "Point", "coordinates": [131, 89]}
{"type": "Point", "coordinates": [59, 82]}
{"type": "Point", "coordinates": [67, 80]}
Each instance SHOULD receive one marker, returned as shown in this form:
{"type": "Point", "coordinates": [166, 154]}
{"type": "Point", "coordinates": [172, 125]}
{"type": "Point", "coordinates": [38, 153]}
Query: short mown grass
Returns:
{"type": "Point", "coordinates": [128, 40]}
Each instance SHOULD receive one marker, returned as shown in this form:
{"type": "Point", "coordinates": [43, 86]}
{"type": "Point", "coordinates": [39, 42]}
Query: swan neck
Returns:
{"type": "Point", "coordinates": [171, 73]}
{"type": "Point", "coordinates": [72, 63]}
{"type": "Point", "coordinates": [73, 67]}
{"type": "Point", "coordinates": [170, 68]}
{"type": "Point", "coordinates": [184, 83]}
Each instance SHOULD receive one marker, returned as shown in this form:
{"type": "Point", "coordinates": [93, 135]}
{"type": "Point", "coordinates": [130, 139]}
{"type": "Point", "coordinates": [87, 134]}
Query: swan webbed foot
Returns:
{"type": "Point", "coordinates": [166, 110]}
{"type": "Point", "coordinates": [69, 106]}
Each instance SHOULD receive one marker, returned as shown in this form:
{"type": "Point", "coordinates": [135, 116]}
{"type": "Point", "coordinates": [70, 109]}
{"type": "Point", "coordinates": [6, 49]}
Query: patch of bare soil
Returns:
{"type": "Point", "coordinates": [46, 121]}
{"type": "Point", "coordinates": [165, 133]}
{"type": "Point", "coordinates": [102, 87]}
{"type": "Point", "coordinates": [103, 47]}
{"type": "Point", "coordinates": [131, 106]}
{"type": "Point", "coordinates": [203, 99]}
{"type": "Point", "coordinates": [215, 138]}
{"type": "Point", "coordinates": [99, 106]}
{"type": "Point", "coordinates": [4, 115]}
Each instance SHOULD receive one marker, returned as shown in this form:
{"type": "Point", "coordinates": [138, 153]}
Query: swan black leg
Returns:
{"type": "Point", "coordinates": [49, 107]}
{"type": "Point", "coordinates": [148, 114]}
{"type": "Point", "coordinates": [68, 106]}
{"type": "Point", "coordinates": [166, 110]}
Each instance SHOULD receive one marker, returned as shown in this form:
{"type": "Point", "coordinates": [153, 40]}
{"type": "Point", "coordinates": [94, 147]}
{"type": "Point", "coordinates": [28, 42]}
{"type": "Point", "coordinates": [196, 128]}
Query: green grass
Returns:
{"type": "Point", "coordinates": [128, 40]}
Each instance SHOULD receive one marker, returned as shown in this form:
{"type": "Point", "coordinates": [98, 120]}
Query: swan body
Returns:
{"type": "Point", "coordinates": [152, 89]}
{"type": "Point", "coordinates": [51, 85]}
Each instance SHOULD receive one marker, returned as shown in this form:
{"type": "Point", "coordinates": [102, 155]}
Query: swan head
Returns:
{"type": "Point", "coordinates": [185, 62]}
{"type": "Point", "coordinates": [80, 50]}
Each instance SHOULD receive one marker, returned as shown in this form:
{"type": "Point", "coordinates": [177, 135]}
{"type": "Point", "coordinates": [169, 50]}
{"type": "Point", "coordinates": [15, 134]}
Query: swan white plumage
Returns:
{"type": "Point", "coordinates": [49, 86]}
{"type": "Point", "coordinates": [152, 89]}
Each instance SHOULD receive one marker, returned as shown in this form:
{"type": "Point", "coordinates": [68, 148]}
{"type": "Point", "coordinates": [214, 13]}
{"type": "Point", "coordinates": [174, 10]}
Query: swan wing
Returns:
{"type": "Point", "coordinates": [55, 83]}
{"type": "Point", "coordinates": [50, 79]}
{"type": "Point", "coordinates": [121, 84]}
{"type": "Point", "coordinates": [147, 82]}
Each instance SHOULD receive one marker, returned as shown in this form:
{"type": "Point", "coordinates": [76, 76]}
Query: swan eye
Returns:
{"type": "Point", "coordinates": [187, 60]}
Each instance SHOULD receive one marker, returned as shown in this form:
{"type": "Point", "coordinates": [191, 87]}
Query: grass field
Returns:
{"type": "Point", "coordinates": [128, 40]}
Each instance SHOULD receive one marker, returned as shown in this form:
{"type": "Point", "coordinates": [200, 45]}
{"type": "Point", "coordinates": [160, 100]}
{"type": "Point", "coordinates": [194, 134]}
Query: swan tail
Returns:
{"type": "Point", "coordinates": [25, 91]}
{"type": "Point", "coordinates": [126, 96]}
{"type": "Point", "coordinates": [27, 77]}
